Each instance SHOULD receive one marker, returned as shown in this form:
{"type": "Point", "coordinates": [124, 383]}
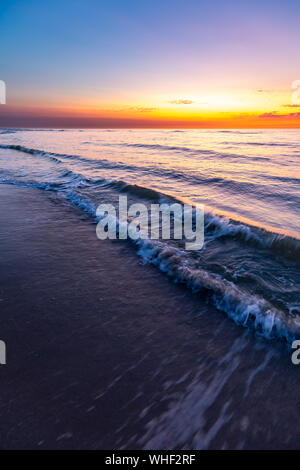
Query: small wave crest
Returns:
{"type": "Point", "coordinates": [223, 227]}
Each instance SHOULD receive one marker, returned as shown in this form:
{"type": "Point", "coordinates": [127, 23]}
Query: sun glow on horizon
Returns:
{"type": "Point", "coordinates": [236, 108]}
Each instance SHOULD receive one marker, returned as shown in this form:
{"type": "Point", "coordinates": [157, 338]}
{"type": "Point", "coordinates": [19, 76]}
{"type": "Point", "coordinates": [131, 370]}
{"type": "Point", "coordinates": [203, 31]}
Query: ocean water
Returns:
{"type": "Point", "coordinates": [248, 181]}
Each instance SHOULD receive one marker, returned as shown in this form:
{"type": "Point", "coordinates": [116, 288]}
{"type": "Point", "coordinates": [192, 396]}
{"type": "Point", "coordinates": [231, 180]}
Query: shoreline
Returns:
{"type": "Point", "coordinates": [105, 352]}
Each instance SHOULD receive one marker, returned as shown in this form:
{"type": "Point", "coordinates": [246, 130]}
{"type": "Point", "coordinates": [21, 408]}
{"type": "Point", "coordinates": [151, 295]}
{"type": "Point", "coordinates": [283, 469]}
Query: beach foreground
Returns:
{"type": "Point", "coordinates": [104, 352]}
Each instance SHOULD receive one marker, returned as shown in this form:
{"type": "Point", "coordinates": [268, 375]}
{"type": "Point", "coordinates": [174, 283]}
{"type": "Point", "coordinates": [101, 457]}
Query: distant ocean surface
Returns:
{"type": "Point", "coordinates": [248, 181]}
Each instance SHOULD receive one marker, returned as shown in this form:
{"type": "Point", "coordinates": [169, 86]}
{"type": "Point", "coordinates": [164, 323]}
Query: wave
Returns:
{"type": "Point", "coordinates": [232, 185]}
{"type": "Point", "coordinates": [221, 226]}
{"type": "Point", "coordinates": [19, 129]}
{"type": "Point", "coordinates": [245, 309]}
{"type": "Point", "coordinates": [135, 189]}
{"type": "Point", "coordinates": [259, 144]}
{"type": "Point", "coordinates": [30, 151]}
{"type": "Point", "coordinates": [216, 226]}
{"type": "Point", "coordinates": [8, 131]}
{"type": "Point", "coordinates": [234, 131]}
{"type": "Point", "coordinates": [191, 150]}
{"type": "Point", "coordinates": [174, 148]}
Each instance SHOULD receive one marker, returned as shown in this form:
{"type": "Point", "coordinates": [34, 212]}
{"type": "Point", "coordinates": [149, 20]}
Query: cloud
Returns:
{"type": "Point", "coordinates": [270, 115]}
{"type": "Point", "coordinates": [274, 114]}
{"type": "Point", "coordinates": [140, 109]}
{"type": "Point", "coordinates": [291, 105]}
{"type": "Point", "coordinates": [261, 90]}
{"type": "Point", "coordinates": [181, 101]}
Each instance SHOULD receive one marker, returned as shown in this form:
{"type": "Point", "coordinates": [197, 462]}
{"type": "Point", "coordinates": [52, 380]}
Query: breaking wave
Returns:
{"type": "Point", "coordinates": [246, 310]}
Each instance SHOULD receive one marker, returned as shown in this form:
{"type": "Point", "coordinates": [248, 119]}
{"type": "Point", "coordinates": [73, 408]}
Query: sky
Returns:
{"type": "Point", "coordinates": [162, 63]}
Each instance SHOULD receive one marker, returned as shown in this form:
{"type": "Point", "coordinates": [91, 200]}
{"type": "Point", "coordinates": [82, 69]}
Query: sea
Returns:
{"type": "Point", "coordinates": [247, 180]}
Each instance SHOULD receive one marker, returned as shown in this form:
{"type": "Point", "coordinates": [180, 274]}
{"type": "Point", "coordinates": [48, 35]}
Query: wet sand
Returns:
{"type": "Point", "coordinates": [104, 352]}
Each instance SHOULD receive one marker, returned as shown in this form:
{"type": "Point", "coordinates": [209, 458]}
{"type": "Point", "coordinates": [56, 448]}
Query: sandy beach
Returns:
{"type": "Point", "coordinates": [104, 352]}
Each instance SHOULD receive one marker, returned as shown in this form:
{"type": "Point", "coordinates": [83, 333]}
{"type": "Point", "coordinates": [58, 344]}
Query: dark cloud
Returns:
{"type": "Point", "coordinates": [270, 115]}
{"type": "Point", "coordinates": [274, 114]}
